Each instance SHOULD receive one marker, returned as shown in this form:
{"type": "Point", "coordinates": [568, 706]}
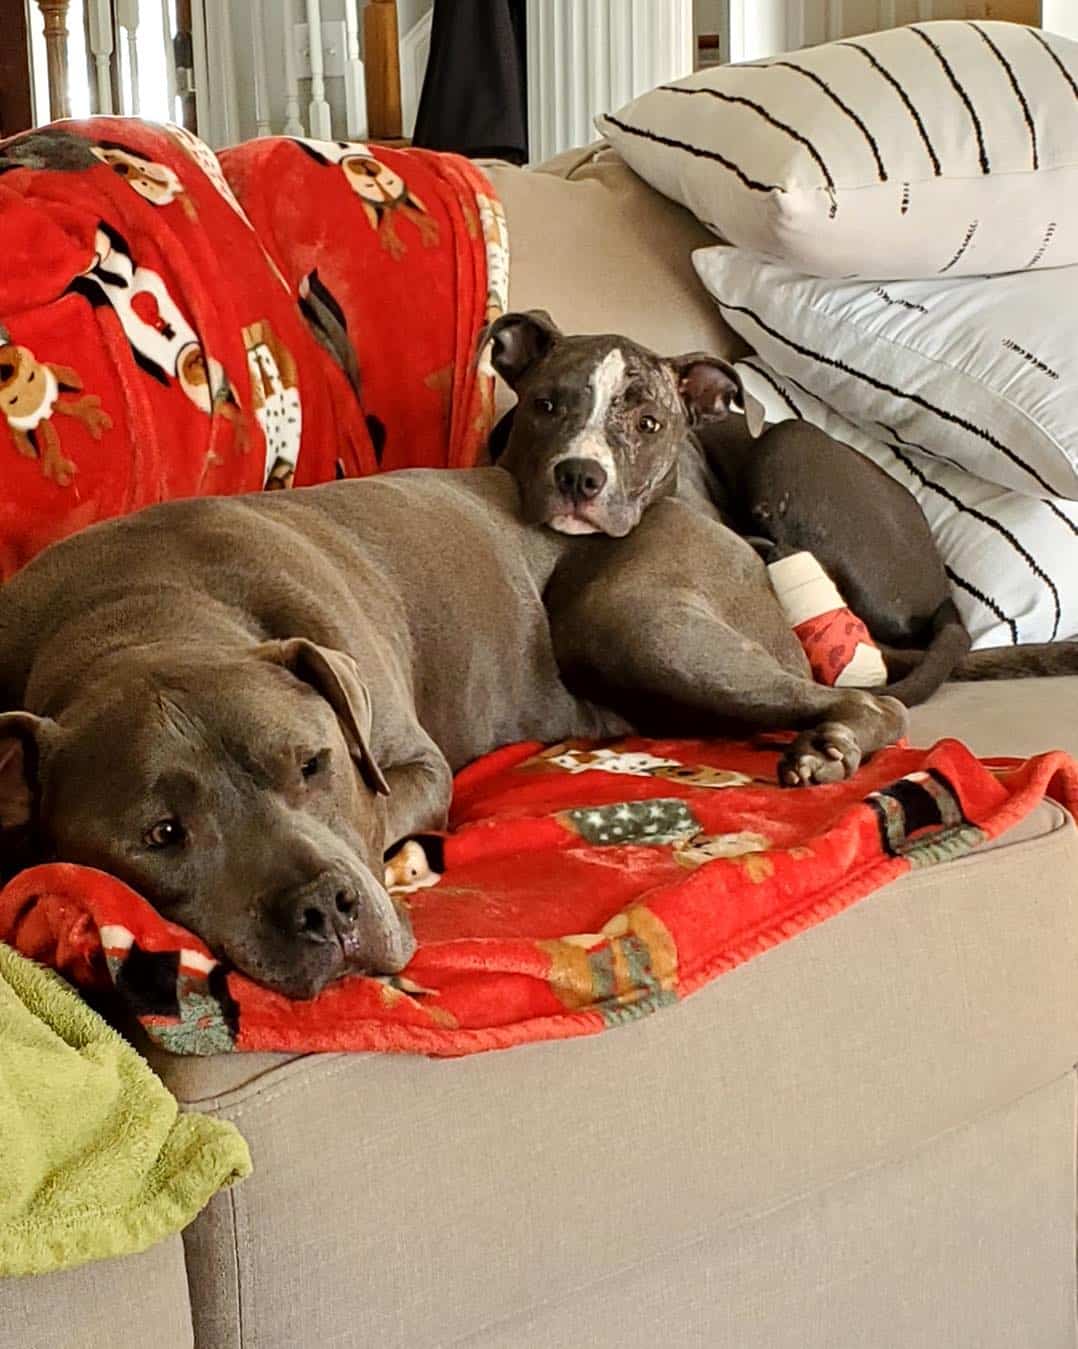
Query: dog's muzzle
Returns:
{"type": "Point", "coordinates": [337, 910]}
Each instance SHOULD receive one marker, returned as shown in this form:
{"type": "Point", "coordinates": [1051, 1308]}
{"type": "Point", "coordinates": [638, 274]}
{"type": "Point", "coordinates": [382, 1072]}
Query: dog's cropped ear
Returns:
{"type": "Point", "coordinates": [711, 388]}
{"type": "Point", "coordinates": [519, 340]}
{"type": "Point", "coordinates": [333, 674]}
{"type": "Point", "coordinates": [23, 738]}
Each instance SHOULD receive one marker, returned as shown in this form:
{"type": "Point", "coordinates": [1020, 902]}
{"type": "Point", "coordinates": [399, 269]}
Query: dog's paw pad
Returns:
{"type": "Point", "coordinates": [827, 753]}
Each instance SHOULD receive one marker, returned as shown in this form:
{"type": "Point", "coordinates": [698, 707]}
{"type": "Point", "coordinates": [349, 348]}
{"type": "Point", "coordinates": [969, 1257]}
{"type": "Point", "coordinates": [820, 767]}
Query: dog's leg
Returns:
{"type": "Point", "coordinates": [677, 666]}
{"type": "Point", "coordinates": [420, 790]}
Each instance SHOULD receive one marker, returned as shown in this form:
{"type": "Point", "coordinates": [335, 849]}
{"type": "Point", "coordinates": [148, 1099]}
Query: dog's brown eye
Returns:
{"type": "Point", "coordinates": [649, 424]}
{"type": "Point", "coordinates": [544, 405]}
{"type": "Point", "coordinates": [168, 833]}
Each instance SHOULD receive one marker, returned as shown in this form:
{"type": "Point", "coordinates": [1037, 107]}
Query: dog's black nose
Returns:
{"type": "Point", "coordinates": [579, 479]}
{"type": "Point", "coordinates": [323, 911]}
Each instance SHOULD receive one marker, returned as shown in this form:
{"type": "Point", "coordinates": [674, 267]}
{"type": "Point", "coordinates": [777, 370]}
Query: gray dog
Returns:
{"type": "Point", "coordinates": [238, 705]}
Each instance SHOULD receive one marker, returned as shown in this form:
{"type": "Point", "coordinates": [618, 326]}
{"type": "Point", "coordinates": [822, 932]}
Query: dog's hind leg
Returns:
{"type": "Point", "coordinates": [678, 668]}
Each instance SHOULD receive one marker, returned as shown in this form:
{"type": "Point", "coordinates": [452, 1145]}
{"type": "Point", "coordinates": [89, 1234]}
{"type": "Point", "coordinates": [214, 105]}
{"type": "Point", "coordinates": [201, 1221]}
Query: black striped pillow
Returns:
{"type": "Point", "coordinates": [947, 148]}
{"type": "Point", "coordinates": [979, 371]}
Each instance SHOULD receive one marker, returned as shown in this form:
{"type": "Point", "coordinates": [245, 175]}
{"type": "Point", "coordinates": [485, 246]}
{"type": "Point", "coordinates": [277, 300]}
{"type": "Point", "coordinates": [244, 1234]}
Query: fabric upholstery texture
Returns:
{"type": "Point", "coordinates": [139, 1302]}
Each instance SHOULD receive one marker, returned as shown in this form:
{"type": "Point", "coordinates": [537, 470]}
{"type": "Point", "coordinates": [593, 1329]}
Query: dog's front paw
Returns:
{"type": "Point", "coordinates": [827, 753]}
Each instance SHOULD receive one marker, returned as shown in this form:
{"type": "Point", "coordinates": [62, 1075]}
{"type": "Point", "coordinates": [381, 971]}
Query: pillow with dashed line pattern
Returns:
{"type": "Point", "coordinates": [946, 148]}
{"type": "Point", "coordinates": [979, 371]}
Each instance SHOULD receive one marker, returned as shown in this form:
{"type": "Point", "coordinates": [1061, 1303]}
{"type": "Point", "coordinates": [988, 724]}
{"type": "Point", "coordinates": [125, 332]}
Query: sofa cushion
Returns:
{"type": "Point", "coordinates": [937, 147]}
{"type": "Point", "coordinates": [907, 1015]}
{"type": "Point", "coordinates": [137, 1302]}
{"type": "Point", "coordinates": [593, 245]}
{"type": "Point", "coordinates": [1024, 716]}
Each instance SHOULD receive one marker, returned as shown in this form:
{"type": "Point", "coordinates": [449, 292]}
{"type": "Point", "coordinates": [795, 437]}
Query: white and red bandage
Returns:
{"type": "Point", "coordinates": [839, 647]}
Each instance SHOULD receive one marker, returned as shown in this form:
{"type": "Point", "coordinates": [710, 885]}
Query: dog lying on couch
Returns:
{"type": "Point", "coordinates": [239, 705]}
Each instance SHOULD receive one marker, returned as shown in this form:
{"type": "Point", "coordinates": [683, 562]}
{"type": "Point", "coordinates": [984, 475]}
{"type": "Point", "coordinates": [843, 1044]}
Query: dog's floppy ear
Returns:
{"type": "Point", "coordinates": [22, 739]}
{"type": "Point", "coordinates": [334, 675]}
{"type": "Point", "coordinates": [520, 339]}
{"type": "Point", "coordinates": [710, 387]}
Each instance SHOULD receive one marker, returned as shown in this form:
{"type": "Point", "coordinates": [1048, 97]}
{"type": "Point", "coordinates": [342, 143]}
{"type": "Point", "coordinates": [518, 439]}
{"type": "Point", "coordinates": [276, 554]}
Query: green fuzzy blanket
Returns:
{"type": "Point", "coordinates": [95, 1158]}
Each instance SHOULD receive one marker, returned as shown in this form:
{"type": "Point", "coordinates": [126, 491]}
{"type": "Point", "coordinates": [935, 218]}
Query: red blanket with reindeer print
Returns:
{"type": "Point", "coordinates": [579, 886]}
{"type": "Point", "coordinates": [175, 323]}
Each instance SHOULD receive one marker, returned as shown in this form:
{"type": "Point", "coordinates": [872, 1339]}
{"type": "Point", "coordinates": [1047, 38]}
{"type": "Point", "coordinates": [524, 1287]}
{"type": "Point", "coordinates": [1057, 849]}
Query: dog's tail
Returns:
{"type": "Point", "coordinates": [1038, 660]}
{"type": "Point", "coordinates": [920, 673]}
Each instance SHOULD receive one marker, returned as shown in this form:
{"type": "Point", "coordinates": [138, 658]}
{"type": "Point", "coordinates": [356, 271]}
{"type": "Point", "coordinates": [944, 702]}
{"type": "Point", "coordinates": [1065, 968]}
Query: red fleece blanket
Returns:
{"type": "Point", "coordinates": [176, 324]}
{"type": "Point", "coordinates": [583, 886]}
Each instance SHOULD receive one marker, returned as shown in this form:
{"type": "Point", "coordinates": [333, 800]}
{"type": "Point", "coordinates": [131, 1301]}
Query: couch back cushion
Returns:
{"type": "Point", "coordinates": [603, 252]}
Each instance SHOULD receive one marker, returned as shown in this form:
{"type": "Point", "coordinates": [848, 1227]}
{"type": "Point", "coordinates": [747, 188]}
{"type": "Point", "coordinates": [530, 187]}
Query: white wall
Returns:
{"type": "Point", "coordinates": [766, 27]}
{"type": "Point", "coordinates": [1060, 16]}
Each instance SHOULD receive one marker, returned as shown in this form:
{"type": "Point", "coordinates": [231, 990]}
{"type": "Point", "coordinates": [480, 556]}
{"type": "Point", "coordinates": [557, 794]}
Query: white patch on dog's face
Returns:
{"type": "Point", "coordinates": [591, 442]}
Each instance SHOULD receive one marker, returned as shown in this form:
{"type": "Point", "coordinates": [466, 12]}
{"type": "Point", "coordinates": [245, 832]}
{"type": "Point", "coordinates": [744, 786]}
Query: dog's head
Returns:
{"type": "Point", "coordinates": [600, 420]}
{"type": "Point", "coordinates": [238, 796]}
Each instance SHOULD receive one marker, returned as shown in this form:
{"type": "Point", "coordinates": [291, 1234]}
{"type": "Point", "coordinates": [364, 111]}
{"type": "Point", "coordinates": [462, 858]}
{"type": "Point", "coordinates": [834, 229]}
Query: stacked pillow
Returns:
{"type": "Point", "coordinates": [943, 148]}
{"type": "Point", "coordinates": [930, 168]}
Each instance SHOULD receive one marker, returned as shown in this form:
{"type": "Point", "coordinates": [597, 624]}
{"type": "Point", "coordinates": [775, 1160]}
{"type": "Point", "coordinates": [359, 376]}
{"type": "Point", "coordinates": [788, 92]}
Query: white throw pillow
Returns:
{"type": "Point", "coordinates": [981, 371]}
{"type": "Point", "coordinates": [937, 148]}
{"type": "Point", "coordinates": [1011, 558]}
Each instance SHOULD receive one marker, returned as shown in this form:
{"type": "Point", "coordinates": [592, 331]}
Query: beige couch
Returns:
{"type": "Point", "coordinates": [865, 1138]}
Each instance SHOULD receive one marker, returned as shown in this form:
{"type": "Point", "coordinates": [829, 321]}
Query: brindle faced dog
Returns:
{"type": "Point", "coordinates": [238, 705]}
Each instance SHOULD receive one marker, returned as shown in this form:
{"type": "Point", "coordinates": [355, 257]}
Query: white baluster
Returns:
{"type": "Point", "coordinates": [885, 14]}
{"type": "Point", "coordinates": [127, 18]}
{"type": "Point", "coordinates": [258, 44]}
{"type": "Point", "coordinates": [926, 10]}
{"type": "Point", "coordinates": [292, 125]}
{"type": "Point", "coordinates": [318, 108]}
{"type": "Point", "coordinates": [221, 61]}
{"type": "Point", "coordinates": [203, 111]}
{"type": "Point", "coordinates": [355, 82]}
{"type": "Point", "coordinates": [170, 57]}
{"type": "Point", "coordinates": [99, 22]}
{"type": "Point", "coordinates": [836, 20]}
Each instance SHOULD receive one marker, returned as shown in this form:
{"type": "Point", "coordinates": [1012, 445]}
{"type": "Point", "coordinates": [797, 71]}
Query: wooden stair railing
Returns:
{"type": "Point", "coordinates": [382, 67]}
{"type": "Point", "coordinates": [16, 103]}
{"type": "Point", "coordinates": [54, 13]}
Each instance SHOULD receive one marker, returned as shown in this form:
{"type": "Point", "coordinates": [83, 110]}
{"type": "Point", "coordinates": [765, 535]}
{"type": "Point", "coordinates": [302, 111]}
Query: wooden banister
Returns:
{"type": "Point", "coordinates": [54, 12]}
{"type": "Point", "coordinates": [16, 104]}
{"type": "Point", "coordinates": [382, 62]}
